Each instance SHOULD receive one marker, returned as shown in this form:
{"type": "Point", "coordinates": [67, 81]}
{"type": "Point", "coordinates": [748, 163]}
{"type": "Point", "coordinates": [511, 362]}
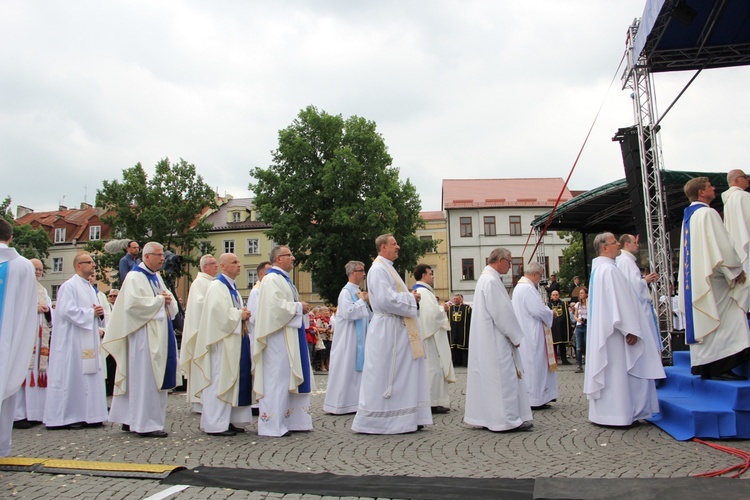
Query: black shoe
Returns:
{"type": "Point", "coordinates": [420, 427]}
{"type": "Point", "coordinates": [545, 406]}
{"type": "Point", "coordinates": [286, 434]}
{"type": "Point", "coordinates": [236, 429]}
{"type": "Point", "coordinates": [227, 432]}
{"type": "Point", "coordinates": [153, 434]}
{"type": "Point", "coordinates": [440, 409]}
{"type": "Point", "coordinates": [729, 375]}
{"type": "Point", "coordinates": [524, 427]}
{"type": "Point", "coordinates": [93, 425]}
{"type": "Point", "coordinates": [255, 411]}
{"type": "Point", "coordinates": [125, 428]}
{"type": "Point", "coordinates": [77, 426]}
{"type": "Point", "coordinates": [579, 369]}
{"type": "Point", "coordinates": [22, 424]}
{"type": "Point", "coordinates": [566, 362]}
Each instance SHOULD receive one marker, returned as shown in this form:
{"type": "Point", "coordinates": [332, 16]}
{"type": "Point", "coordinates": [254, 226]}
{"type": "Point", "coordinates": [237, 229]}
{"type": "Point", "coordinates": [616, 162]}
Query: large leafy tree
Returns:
{"type": "Point", "coordinates": [29, 242]}
{"type": "Point", "coordinates": [165, 208]}
{"type": "Point", "coordinates": [330, 191]}
{"type": "Point", "coordinates": [572, 259]}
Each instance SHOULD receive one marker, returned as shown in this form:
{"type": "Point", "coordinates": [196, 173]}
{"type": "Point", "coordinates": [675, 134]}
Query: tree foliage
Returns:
{"type": "Point", "coordinates": [572, 259]}
{"type": "Point", "coordinates": [29, 242]}
{"type": "Point", "coordinates": [165, 208]}
{"type": "Point", "coordinates": [330, 191]}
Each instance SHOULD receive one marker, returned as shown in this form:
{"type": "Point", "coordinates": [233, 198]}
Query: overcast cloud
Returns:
{"type": "Point", "coordinates": [458, 89]}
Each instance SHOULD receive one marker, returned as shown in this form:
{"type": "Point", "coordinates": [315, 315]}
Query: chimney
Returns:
{"type": "Point", "coordinates": [61, 208]}
{"type": "Point", "coordinates": [85, 205]}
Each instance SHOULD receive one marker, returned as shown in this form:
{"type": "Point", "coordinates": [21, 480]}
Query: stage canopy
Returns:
{"type": "Point", "coordinates": [677, 35]}
{"type": "Point", "coordinates": [607, 208]}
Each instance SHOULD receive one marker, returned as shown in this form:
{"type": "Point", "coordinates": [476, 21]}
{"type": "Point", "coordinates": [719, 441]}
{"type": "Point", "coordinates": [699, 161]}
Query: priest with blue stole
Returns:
{"type": "Point", "coordinates": [141, 338]}
{"type": "Point", "coordinates": [221, 371]}
{"type": "Point", "coordinates": [282, 373]}
{"type": "Point", "coordinates": [713, 289]}
{"type": "Point", "coordinates": [18, 309]}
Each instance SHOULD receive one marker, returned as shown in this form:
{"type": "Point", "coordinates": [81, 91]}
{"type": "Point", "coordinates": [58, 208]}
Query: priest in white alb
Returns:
{"type": "Point", "coordinates": [348, 349]}
{"type": "Point", "coordinates": [496, 397]}
{"type": "Point", "coordinates": [33, 394]}
{"type": "Point", "coordinates": [626, 263]}
{"type": "Point", "coordinates": [141, 338]}
{"type": "Point", "coordinates": [713, 289]}
{"type": "Point", "coordinates": [537, 349]}
{"type": "Point", "coordinates": [76, 396]}
{"type": "Point", "coordinates": [737, 216]}
{"type": "Point", "coordinates": [434, 328]}
{"type": "Point", "coordinates": [622, 360]}
{"type": "Point", "coordinates": [282, 375]}
{"type": "Point", "coordinates": [196, 298]}
{"type": "Point", "coordinates": [18, 309]}
{"type": "Point", "coordinates": [394, 397]}
{"type": "Point", "coordinates": [222, 363]}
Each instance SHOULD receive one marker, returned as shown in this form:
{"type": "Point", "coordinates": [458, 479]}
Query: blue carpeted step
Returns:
{"type": "Point", "coordinates": [693, 407]}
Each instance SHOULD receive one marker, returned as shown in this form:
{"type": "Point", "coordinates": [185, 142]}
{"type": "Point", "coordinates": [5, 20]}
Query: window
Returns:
{"type": "Point", "coordinates": [95, 233]}
{"type": "Point", "coordinates": [546, 267]}
{"type": "Point", "coordinates": [427, 238]}
{"type": "Point", "coordinates": [236, 217]}
{"type": "Point", "coordinates": [490, 229]}
{"type": "Point", "coordinates": [253, 246]}
{"type": "Point", "coordinates": [467, 269]}
{"type": "Point", "coordinates": [559, 262]}
{"type": "Point", "coordinates": [252, 277]}
{"type": "Point", "coordinates": [517, 269]}
{"type": "Point", "coordinates": [228, 246]}
{"type": "Point", "coordinates": [53, 295]}
{"type": "Point", "coordinates": [57, 265]}
{"type": "Point", "coordinates": [465, 227]}
{"type": "Point", "coordinates": [60, 235]}
{"type": "Point", "coordinates": [515, 225]}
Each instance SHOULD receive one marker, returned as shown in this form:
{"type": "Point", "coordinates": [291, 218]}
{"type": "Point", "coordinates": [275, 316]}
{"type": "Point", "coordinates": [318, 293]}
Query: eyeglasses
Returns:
{"type": "Point", "coordinates": [285, 255]}
{"type": "Point", "coordinates": [86, 262]}
{"type": "Point", "coordinates": [358, 271]}
{"type": "Point", "coordinates": [156, 254]}
{"type": "Point", "coordinates": [507, 260]}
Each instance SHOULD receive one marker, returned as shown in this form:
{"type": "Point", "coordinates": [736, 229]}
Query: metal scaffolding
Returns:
{"type": "Point", "coordinates": [639, 79]}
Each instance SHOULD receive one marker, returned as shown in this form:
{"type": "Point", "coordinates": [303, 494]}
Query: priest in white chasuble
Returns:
{"type": "Point", "coordinates": [537, 349]}
{"type": "Point", "coordinates": [282, 375]}
{"type": "Point", "coordinates": [76, 395]}
{"type": "Point", "coordinates": [434, 326]}
{"type": "Point", "coordinates": [196, 298]}
{"type": "Point", "coordinates": [496, 397]}
{"type": "Point", "coordinates": [141, 338]}
{"type": "Point", "coordinates": [713, 289]}
{"type": "Point", "coordinates": [222, 364]}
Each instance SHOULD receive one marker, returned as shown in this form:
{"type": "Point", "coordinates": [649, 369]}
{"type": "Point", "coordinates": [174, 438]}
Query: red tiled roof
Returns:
{"type": "Point", "coordinates": [75, 221]}
{"type": "Point", "coordinates": [432, 215]}
{"type": "Point", "coordinates": [486, 193]}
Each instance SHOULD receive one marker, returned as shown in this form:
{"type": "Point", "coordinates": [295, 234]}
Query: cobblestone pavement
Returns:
{"type": "Point", "coordinates": [562, 444]}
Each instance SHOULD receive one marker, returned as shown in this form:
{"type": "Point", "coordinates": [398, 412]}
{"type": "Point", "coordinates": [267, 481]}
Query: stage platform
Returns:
{"type": "Point", "coordinates": [711, 409]}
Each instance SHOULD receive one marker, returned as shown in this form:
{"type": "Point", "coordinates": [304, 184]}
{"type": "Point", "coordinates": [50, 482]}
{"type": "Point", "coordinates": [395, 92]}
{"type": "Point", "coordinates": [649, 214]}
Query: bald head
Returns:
{"type": "Point", "coordinates": [84, 265]}
{"type": "Point", "coordinates": [38, 267]}
{"type": "Point", "coordinates": [230, 265]}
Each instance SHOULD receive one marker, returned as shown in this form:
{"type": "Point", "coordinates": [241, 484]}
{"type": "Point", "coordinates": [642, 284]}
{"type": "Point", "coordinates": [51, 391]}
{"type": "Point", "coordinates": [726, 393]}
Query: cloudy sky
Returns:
{"type": "Point", "coordinates": [458, 89]}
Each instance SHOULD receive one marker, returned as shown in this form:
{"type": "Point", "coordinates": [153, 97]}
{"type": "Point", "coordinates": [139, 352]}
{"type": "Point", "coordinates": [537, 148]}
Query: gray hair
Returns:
{"type": "Point", "coordinates": [152, 246]}
{"type": "Point", "coordinates": [204, 260]}
{"type": "Point", "coordinates": [497, 254]}
{"type": "Point", "coordinates": [533, 267]}
{"type": "Point", "coordinates": [275, 251]}
{"type": "Point", "coordinates": [352, 265]}
{"type": "Point", "coordinates": [600, 240]}
{"type": "Point", "coordinates": [381, 240]}
{"type": "Point", "coordinates": [732, 175]}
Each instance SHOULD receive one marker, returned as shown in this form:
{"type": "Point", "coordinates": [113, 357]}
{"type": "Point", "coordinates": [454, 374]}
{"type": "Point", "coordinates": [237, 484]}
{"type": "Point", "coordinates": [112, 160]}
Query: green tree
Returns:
{"type": "Point", "coordinates": [330, 191]}
{"type": "Point", "coordinates": [165, 208]}
{"type": "Point", "coordinates": [29, 242]}
{"type": "Point", "coordinates": [572, 260]}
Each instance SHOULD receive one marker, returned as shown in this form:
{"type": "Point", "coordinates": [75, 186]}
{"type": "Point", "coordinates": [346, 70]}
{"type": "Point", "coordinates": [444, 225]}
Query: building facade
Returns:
{"type": "Point", "coordinates": [483, 214]}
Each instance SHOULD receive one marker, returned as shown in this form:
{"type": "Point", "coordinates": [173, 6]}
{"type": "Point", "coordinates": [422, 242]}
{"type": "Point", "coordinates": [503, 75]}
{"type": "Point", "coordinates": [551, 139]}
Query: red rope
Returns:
{"type": "Point", "coordinates": [741, 467]}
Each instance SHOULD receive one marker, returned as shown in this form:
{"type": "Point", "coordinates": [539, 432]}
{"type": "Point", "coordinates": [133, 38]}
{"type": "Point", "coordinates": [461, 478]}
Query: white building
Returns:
{"type": "Point", "coordinates": [483, 214]}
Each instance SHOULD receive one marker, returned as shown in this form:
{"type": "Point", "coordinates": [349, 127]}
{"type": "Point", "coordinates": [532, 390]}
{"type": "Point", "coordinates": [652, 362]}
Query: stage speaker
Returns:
{"type": "Point", "coordinates": [631, 159]}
